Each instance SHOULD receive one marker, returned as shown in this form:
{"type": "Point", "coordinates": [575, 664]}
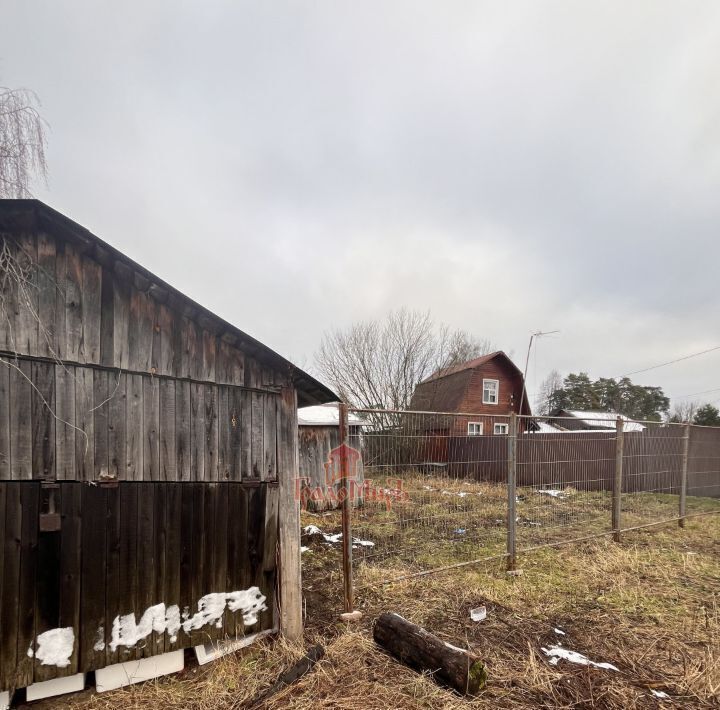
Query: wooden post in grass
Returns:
{"type": "Point", "coordinates": [346, 508]}
{"type": "Point", "coordinates": [683, 475]}
{"type": "Point", "coordinates": [617, 482]}
{"type": "Point", "coordinates": [511, 490]}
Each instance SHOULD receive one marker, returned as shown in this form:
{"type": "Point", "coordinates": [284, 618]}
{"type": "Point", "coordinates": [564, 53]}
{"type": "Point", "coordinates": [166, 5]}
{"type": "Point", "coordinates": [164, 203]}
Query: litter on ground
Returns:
{"type": "Point", "coordinates": [478, 614]}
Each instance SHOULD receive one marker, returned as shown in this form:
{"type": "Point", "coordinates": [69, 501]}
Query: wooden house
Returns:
{"type": "Point", "coordinates": [490, 386]}
{"type": "Point", "coordinates": [148, 455]}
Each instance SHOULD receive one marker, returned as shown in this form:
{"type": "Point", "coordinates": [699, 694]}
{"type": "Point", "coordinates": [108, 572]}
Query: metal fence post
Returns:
{"type": "Point", "coordinates": [683, 475]}
{"type": "Point", "coordinates": [346, 508]}
{"type": "Point", "coordinates": [511, 491]}
{"type": "Point", "coordinates": [617, 482]}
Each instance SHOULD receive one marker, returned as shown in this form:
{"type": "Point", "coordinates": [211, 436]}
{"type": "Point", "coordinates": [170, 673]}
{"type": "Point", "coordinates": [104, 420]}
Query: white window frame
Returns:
{"type": "Point", "coordinates": [497, 392]}
{"type": "Point", "coordinates": [503, 429]}
{"type": "Point", "coordinates": [475, 424]}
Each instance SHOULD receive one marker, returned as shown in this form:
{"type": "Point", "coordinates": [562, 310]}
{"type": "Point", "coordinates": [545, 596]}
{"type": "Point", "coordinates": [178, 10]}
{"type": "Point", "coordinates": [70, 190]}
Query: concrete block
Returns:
{"type": "Point", "coordinates": [122, 674]}
{"type": "Point", "coordinates": [4, 700]}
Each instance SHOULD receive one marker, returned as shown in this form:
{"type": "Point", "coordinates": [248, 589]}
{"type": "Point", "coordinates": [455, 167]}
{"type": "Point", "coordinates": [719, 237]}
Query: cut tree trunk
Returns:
{"type": "Point", "coordinates": [419, 649]}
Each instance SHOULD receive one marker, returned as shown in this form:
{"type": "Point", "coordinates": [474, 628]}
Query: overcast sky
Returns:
{"type": "Point", "coordinates": [300, 165]}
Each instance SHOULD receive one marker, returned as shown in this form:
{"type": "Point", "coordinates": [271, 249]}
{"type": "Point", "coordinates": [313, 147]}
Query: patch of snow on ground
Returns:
{"type": "Point", "coordinates": [551, 492]}
{"type": "Point", "coordinates": [55, 647]}
{"type": "Point", "coordinates": [312, 530]}
{"type": "Point", "coordinates": [560, 632]}
{"type": "Point", "coordinates": [557, 652]}
{"type": "Point", "coordinates": [335, 538]}
{"type": "Point", "coordinates": [305, 549]}
{"type": "Point", "coordinates": [660, 694]}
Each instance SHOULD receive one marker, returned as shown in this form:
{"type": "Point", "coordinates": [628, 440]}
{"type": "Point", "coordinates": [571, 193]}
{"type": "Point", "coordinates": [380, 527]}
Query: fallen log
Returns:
{"type": "Point", "coordinates": [449, 665]}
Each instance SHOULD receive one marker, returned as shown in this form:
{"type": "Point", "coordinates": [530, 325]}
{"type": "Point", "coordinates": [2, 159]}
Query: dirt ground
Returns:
{"type": "Point", "coordinates": [650, 606]}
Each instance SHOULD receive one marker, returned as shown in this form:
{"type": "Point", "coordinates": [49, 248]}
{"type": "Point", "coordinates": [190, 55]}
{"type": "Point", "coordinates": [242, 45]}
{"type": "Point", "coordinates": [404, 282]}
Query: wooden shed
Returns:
{"type": "Point", "coordinates": [319, 434]}
{"type": "Point", "coordinates": [148, 455]}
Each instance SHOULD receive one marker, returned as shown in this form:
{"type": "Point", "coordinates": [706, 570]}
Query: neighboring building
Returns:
{"type": "Point", "coordinates": [490, 386]}
{"type": "Point", "coordinates": [589, 420]}
{"type": "Point", "coordinates": [318, 435]}
{"type": "Point", "coordinates": [148, 454]}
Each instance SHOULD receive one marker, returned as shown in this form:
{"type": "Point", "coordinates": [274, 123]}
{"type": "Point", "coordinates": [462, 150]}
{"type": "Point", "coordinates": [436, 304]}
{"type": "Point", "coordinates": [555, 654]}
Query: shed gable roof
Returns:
{"type": "Point", "coordinates": [17, 216]}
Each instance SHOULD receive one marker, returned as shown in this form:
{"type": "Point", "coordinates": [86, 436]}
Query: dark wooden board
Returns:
{"type": "Point", "coordinates": [10, 600]}
{"type": "Point", "coordinates": [168, 450]}
{"type": "Point", "coordinates": [198, 560]}
{"type": "Point", "coordinates": [92, 575]}
{"type": "Point", "coordinates": [223, 425]}
{"type": "Point", "coordinates": [182, 429]}
{"type": "Point", "coordinates": [103, 386]}
{"type": "Point", "coordinates": [156, 641]}
{"type": "Point", "coordinates": [128, 559]}
{"type": "Point", "coordinates": [146, 551]}
{"type": "Point", "coordinates": [135, 429]}
{"type": "Point", "coordinates": [47, 596]}
{"type": "Point", "coordinates": [113, 582]}
{"type": "Point", "coordinates": [211, 433]}
{"type": "Point", "coordinates": [121, 322]}
{"type": "Point", "coordinates": [64, 424]}
{"type": "Point", "coordinates": [151, 423]}
{"type": "Point", "coordinates": [197, 432]}
{"type": "Point", "coordinates": [166, 320]}
{"type": "Point", "coordinates": [43, 421]}
{"type": "Point", "coordinates": [73, 305]}
{"type": "Point", "coordinates": [209, 353]}
{"type": "Point", "coordinates": [47, 297]}
{"type": "Point", "coordinates": [70, 563]}
{"type": "Point", "coordinates": [173, 553]}
{"type": "Point", "coordinates": [30, 504]}
{"type": "Point", "coordinates": [188, 603]}
{"type": "Point", "coordinates": [21, 420]}
{"type": "Point", "coordinates": [117, 426]}
{"type": "Point", "coordinates": [5, 415]}
{"type": "Point", "coordinates": [107, 319]}
{"type": "Point", "coordinates": [257, 436]}
{"type": "Point", "coordinates": [270, 443]}
{"type": "Point", "coordinates": [91, 308]}
{"type": "Point", "coordinates": [84, 420]}
{"type": "Point", "coordinates": [26, 319]}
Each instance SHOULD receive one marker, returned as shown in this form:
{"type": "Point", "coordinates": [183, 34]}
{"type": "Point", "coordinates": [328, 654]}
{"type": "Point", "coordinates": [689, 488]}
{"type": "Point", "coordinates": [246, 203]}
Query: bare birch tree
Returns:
{"type": "Point", "coordinates": [543, 400]}
{"type": "Point", "coordinates": [22, 142]}
{"type": "Point", "coordinates": [377, 364]}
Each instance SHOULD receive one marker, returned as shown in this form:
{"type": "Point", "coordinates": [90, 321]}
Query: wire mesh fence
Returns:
{"type": "Point", "coordinates": [436, 490]}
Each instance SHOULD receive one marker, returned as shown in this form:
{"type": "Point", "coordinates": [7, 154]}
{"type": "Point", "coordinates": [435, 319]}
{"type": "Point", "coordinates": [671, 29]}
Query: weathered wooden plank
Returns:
{"type": "Point", "coordinates": [237, 573]}
{"type": "Point", "coordinates": [269, 564]}
{"type": "Point", "coordinates": [147, 572]}
{"type": "Point", "coordinates": [21, 419]}
{"type": "Point", "coordinates": [173, 552]}
{"type": "Point", "coordinates": [160, 523]}
{"type": "Point", "coordinates": [128, 569]}
{"type": "Point", "coordinates": [30, 504]}
{"type": "Point", "coordinates": [107, 319]}
{"type": "Point", "coordinates": [47, 596]}
{"type": "Point", "coordinates": [223, 426]}
{"type": "Point", "coordinates": [117, 427]}
{"type": "Point", "coordinates": [210, 491]}
{"type": "Point", "coordinates": [198, 556]}
{"type": "Point", "coordinates": [60, 304]}
{"type": "Point", "coordinates": [47, 297]}
{"type": "Point", "coordinates": [121, 321]}
{"type": "Point", "coordinates": [197, 432]}
{"type": "Point", "coordinates": [211, 433]}
{"type": "Point", "coordinates": [179, 347]}
{"type": "Point", "coordinates": [85, 422]}
{"type": "Point", "coordinates": [220, 538]}
{"type": "Point", "coordinates": [65, 422]}
{"type": "Point", "coordinates": [91, 306]}
{"type": "Point", "coordinates": [93, 576]}
{"type": "Point", "coordinates": [151, 421]}
{"type": "Point", "coordinates": [74, 351]}
{"type": "Point", "coordinates": [101, 408]}
{"type": "Point", "coordinates": [135, 463]}
{"type": "Point", "coordinates": [168, 451]}
{"type": "Point", "coordinates": [10, 599]}
{"type": "Point", "coordinates": [238, 436]}
{"type": "Point", "coordinates": [245, 397]}
{"type": "Point", "coordinates": [193, 349]}
{"type": "Point", "coordinates": [166, 320]}
{"type": "Point", "coordinates": [269, 471]}
{"type": "Point", "coordinates": [252, 372]}
{"type": "Point", "coordinates": [26, 314]}
{"type": "Point", "coordinates": [187, 541]}
{"type": "Point", "coordinates": [209, 353]}
{"type": "Point", "coordinates": [112, 575]}
{"type": "Point", "coordinates": [5, 466]}
{"type": "Point", "coordinates": [43, 420]}
{"type": "Point", "coordinates": [257, 403]}
{"type": "Point", "coordinates": [290, 591]}
{"type": "Point", "coordinates": [70, 564]}
{"type": "Point", "coordinates": [182, 429]}
{"type": "Point", "coordinates": [139, 332]}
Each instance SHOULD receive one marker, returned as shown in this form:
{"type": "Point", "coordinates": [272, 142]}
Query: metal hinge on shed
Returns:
{"type": "Point", "coordinates": [49, 515]}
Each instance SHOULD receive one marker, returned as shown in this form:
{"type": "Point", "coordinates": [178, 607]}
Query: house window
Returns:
{"type": "Point", "coordinates": [475, 428]}
{"type": "Point", "coordinates": [500, 429]}
{"type": "Point", "coordinates": [490, 391]}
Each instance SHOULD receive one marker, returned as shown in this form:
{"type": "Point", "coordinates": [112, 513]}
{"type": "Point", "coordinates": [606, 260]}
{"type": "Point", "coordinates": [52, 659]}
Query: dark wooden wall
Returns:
{"type": "Point", "coordinates": [121, 550]}
{"type": "Point", "coordinates": [66, 422]}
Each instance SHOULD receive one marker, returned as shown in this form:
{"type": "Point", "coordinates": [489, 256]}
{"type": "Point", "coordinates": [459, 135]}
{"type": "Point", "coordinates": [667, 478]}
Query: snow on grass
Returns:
{"type": "Point", "coordinates": [556, 653]}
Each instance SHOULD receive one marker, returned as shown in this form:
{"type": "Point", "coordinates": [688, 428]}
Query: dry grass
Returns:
{"type": "Point", "coordinates": [650, 605]}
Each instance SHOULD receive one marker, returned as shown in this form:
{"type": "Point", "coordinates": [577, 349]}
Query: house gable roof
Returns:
{"type": "Point", "coordinates": [471, 365]}
{"type": "Point", "coordinates": [33, 215]}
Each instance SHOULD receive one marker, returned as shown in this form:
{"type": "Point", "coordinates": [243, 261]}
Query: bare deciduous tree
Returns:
{"type": "Point", "coordinates": [22, 142]}
{"type": "Point", "coordinates": [549, 385]}
{"type": "Point", "coordinates": [377, 364]}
